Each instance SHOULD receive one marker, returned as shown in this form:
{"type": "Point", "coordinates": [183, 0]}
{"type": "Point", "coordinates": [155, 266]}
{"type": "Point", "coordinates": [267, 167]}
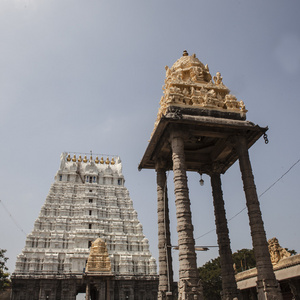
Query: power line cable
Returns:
{"type": "Point", "coordinates": [274, 183]}
{"type": "Point", "coordinates": [13, 219]}
{"type": "Point", "coordinates": [212, 230]}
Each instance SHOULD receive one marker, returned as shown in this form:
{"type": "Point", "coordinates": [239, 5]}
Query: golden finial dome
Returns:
{"type": "Point", "coordinates": [85, 159]}
{"type": "Point", "coordinates": [97, 160]}
{"type": "Point", "coordinates": [185, 53]}
{"type": "Point", "coordinates": [91, 158]}
{"type": "Point", "coordinates": [101, 160]}
{"type": "Point", "coordinates": [79, 158]}
{"type": "Point", "coordinates": [69, 157]}
{"type": "Point", "coordinates": [107, 161]}
{"type": "Point", "coordinates": [74, 158]}
{"type": "Point", "coordinates": [112, 161]}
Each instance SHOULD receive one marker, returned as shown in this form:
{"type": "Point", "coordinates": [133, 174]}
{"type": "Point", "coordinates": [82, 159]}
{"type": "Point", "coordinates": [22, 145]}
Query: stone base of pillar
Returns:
{"type": "Point", "coordinates": [165, 296]}
{"type": "Point", "coordinates": [230, 295]}
{"type": "Point", "coordinates": [268, 290]}
{"type": "Point", "coordinates": [160, 296]}
{"type": "Point", "coordinates": [169, 295]}
{"type": "Point", "coordinates": [189, 291]}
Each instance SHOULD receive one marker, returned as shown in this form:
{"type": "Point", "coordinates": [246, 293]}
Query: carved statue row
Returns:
{"type": "Point", "coordinates": [202, 97]}
{"type": "Point", "coordinates": [67, 157]}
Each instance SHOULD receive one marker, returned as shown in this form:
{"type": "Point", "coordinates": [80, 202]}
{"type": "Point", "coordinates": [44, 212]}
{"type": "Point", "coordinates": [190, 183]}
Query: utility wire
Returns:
{"type": "Point", "coordinates": [13, 219]}
{"type": "Point", "coordinates": [258, 197]}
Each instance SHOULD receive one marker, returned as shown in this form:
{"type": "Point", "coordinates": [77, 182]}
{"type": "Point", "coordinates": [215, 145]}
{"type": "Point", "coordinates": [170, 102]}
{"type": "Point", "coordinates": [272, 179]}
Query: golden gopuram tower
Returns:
{"type": "Point", "coordinates": [201, 127]}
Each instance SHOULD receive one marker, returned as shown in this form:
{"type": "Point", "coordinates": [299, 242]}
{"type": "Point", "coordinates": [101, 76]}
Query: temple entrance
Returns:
{"type": "Point", "coordinates": [80, 296]}
{"type": "Point", "coordinates": [98, 289]}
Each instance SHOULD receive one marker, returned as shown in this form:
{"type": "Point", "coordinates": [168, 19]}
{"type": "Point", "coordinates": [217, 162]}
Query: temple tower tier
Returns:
{"type": "Point", "coordinates": [87, 205]}
{"type": "Point", "coordinates": [201, 127]}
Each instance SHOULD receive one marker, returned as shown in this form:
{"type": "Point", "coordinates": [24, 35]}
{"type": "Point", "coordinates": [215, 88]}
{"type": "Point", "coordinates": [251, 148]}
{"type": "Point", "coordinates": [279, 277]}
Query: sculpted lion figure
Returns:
{"type": "Point", "coordinates": [276, 252]}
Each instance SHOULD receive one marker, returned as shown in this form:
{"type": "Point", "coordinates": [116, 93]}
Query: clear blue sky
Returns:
{"type": "Point", "coordinates": [81, 75]}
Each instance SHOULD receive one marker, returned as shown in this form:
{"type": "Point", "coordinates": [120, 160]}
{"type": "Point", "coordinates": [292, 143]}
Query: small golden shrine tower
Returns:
{"type": "Point", "coordinates": [98, 261]}
{"type": "Point", "coordinates": [98, 272]}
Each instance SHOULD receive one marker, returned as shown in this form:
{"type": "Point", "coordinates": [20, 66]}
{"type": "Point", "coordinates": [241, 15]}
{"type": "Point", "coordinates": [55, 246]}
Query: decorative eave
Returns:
{"type": "Point", "coordinates": [208, 143]}
{"type": "Point", "coordinates": [202, 107]}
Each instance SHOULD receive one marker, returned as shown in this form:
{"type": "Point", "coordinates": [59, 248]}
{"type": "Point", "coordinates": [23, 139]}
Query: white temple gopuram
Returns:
{"type": "Point", "coordinates": [87, 201]}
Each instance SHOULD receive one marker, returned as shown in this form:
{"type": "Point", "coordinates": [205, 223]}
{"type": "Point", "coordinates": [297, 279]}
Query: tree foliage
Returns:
{"type": "Point", "coordinates": [4, 276]}
{"type": "Point", "coordinates": [243, 260]}
{"type": "Point", "coordinates": [293, 252]}
{"type": "Point", "coordinates": [210, 273]}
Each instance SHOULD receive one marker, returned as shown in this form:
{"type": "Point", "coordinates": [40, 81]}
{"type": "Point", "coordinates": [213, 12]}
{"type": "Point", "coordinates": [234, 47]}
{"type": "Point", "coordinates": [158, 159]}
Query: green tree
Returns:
{"type": "Point", "coordinates": [293, 252]}
{"type": "Point", "coordinates": [210, 273]}
{"type": "Point", "coordinates": [4, 276]}
{"type": "Point", "coordinates": [243, 260]}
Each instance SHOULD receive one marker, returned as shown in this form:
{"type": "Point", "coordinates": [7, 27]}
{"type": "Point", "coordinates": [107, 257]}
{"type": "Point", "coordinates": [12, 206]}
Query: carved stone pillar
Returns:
{"type": "Point", "coordinates": [87, 291]}
{"type": "Point", "coordinates": [267, 285]}
{"type": "Point", "coordinates": [101, 290]}
{"type": "Point", "coordinates": [252, 294]}
{"type": "Point", "coordinates": [189, 285]}
{"type": "Point", "coordinates": [164, 239]}
{"type": "Point", "coordinates": [107, 289]}
{"type": "Point", "coordinates": [229, 287]}
{"type": "Point", "coordinates": [295, 288]}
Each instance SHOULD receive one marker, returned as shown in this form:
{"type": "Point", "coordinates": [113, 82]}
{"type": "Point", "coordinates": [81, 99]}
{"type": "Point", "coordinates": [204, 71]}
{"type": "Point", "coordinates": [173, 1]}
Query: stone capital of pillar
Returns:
{"type": "Point", "coordinates": [176, 133]}
{"type": "Point", "coordinates": [236, 139]}
{"type": "Point", "coordinates": [160, 164]}
{"type": "Point", "coordinates": [214, 168]}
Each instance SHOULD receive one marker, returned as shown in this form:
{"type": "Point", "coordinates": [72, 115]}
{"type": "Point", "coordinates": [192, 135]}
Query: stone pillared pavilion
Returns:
{"type": "Point", "coordinates": [87, 201]}
{"type": "Point", "coordinates": [201, 127]}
